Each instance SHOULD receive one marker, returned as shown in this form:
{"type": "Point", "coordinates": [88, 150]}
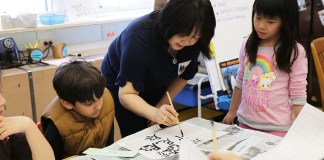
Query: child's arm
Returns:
{"type": "Point", "coordinates": [39, 146]}
{"type": "Point", "coordinates": [296, 111]}
{"type": "Point", "coordinates": [237, 92]}
{"type": "Point", "coordinates": [298, 82]}
{"type": "Point", "coordinates": [236, 100]}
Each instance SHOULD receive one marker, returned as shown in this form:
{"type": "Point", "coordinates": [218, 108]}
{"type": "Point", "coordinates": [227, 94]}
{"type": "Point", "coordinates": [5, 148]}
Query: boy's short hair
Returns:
{"type": "Point", "coordinates": [78, 81]}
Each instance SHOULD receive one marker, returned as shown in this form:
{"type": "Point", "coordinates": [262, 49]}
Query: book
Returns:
{"type": "Point", "coordinates": [229, 72]}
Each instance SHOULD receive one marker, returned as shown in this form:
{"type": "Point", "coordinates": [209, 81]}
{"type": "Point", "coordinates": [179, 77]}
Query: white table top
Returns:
{"type": "Point", "coordinates": [246, 143]}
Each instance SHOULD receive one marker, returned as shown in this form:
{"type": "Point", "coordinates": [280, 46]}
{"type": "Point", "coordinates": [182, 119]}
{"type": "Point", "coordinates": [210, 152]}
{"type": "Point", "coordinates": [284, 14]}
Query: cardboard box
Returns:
{"type": "Point", "coordinates": [21, 21]}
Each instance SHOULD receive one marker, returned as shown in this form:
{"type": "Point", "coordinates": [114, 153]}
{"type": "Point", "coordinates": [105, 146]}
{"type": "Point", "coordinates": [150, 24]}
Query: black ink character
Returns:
{"type": "Point", "coordinates": [171, 150]}
{"type": "Point", "coordinates": [270, 143]}
{"type": "Point", "coordinates": [152, 138]}
{"type": "Point", "coordinates": [196, 141]}
{"type": "Point", "coordinates": [254, 151]}
{"type": "Point", "coordinates": [179, 137]}
{"type": "Point", "coordinates": [167, 141]}
{"type": "Point", "coordinates": [152, 147]}
{"type": "Point", "coordinates": [232, 130]}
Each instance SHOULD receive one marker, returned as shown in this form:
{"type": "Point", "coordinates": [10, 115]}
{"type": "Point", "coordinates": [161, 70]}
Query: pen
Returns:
{"type": "Point", "coordinates": [214, 135]}
{"type": "Point", "coordinates": [78, 54]}
{"type": "Point", "coordinates": [25, 46]}
{"type": "Point", "coordinates": [30, 45]}
{"type": "Point", "coordinates": [170, 101]}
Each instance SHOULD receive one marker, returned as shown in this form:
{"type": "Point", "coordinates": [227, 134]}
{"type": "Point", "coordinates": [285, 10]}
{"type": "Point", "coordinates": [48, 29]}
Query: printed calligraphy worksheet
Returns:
{"type": "Point", "coordinates": [165, 142]}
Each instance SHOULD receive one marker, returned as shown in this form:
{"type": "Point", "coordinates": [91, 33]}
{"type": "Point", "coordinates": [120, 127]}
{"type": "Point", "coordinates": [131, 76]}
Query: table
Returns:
{"type": "Point", "coordinates": [246, 143]}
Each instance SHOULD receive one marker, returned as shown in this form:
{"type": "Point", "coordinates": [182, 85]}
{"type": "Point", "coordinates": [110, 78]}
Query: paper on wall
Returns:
{"type": "Point", "coordinates": [80, 9]}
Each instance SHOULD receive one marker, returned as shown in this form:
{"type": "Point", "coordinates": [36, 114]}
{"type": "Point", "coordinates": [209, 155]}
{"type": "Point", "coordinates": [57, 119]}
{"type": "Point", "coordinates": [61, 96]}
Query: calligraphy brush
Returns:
{"type": "Point", "coordinates": [214, 135]}
{"type": "Point", "coordinates": [170, 101]}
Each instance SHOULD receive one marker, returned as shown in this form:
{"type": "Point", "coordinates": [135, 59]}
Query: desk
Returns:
{"type": "Point", "coordinates": [246, 143]}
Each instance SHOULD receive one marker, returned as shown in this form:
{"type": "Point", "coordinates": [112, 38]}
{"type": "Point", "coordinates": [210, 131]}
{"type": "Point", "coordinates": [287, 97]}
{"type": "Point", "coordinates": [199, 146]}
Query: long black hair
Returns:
{"type": "Point", "coordinates": [286, 46]}
{"type": "Point", "coordinates": [182, 17]}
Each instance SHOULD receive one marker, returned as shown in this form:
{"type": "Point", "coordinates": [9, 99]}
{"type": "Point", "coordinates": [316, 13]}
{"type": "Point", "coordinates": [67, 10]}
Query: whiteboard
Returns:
{"type": "Point", "coordinates": [233, 23]}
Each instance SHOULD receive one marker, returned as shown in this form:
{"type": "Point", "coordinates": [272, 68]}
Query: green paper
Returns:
{"type": "Point", "coordinates": [110, 153]}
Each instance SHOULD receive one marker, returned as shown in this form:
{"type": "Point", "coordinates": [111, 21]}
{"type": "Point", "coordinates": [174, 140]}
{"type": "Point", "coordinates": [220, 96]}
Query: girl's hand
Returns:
{"type": "Point", "coordinates": [166, 115]}
{"type": "Point", "coordinates": [229, 118]}
{"type": "Point", "coordinates": [13, 125]}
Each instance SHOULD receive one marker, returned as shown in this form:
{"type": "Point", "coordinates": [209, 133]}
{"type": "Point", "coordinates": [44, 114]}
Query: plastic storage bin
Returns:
{"type": "Point", "coordinates": [223, 102]}
{"type": "Point", "coordinates": [51, 19]}
{"type": "Point", "coordinates": [188, 96]}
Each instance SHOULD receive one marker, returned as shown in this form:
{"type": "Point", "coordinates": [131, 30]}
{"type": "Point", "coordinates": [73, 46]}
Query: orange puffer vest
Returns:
{"type": "Point", "coordinates": [77, 132]}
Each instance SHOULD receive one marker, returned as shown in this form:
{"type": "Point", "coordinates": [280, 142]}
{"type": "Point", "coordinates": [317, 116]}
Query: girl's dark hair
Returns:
{"type": "Point", "coordinates": [286, 46]}
{"type": "Point", "coordinates": [78, 81]}
{"type": "Point", "coordinates": [182, 17]}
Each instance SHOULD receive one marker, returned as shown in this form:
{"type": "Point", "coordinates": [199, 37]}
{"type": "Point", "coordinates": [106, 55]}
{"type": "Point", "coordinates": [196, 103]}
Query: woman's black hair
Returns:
{"type": "Point", "coordinates": [286, 46]}
{"type": "Point", "coordinates": [182, 17]}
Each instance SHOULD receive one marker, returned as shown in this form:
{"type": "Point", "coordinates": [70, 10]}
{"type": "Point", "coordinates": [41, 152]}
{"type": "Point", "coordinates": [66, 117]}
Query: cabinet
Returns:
{"type": "Point", "coordinates": [28, 89]}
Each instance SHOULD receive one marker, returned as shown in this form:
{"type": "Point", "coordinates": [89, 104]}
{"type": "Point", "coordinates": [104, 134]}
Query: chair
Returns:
{"type": "Point", "coordinates": [317, 46]}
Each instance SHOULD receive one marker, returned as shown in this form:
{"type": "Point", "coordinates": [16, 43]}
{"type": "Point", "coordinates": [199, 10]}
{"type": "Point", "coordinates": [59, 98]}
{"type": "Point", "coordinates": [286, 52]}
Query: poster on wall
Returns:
{"type": "Point", "coordinates": [321, 16]}
{"type": "Point", "coordinates": [80, 9]}
{"type": "Point", "coordinates": [301, 5]}
{"type": "Point", "coordinates": [229, 72]}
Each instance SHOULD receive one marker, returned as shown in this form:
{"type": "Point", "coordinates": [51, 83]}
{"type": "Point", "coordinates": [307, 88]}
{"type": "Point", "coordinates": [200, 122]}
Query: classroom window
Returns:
{"type": "Point", "coordinates": [15, 7]}
{"type": "Point", "coordinates": [100, 8]}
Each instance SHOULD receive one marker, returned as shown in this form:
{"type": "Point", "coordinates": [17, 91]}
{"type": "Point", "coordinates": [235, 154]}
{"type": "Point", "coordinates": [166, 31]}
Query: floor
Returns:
{"type": "Point", "coordinates": [207, 112]}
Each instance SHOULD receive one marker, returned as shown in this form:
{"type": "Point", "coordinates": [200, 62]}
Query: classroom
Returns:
{"type": "Point", "coordinates": [162, 79]}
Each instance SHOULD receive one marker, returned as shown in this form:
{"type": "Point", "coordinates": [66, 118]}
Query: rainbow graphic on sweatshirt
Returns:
{"type": "Point", "coordinates": [262, 62]}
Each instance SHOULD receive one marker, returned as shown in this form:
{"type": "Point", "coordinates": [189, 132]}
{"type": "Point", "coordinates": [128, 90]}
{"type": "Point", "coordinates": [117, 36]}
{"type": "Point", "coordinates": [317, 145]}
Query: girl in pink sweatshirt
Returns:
{"type": "Point", "coordinates": [270, 88]}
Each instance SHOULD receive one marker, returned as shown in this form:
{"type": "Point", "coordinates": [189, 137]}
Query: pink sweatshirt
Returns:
{"type": "Point", "coordinates": [269, 94]}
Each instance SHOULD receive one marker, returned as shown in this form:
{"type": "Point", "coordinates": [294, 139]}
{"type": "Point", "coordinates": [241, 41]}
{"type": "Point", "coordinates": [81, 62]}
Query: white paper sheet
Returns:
{"type": "Point", "coordinates": [188, 151]}
{"type": "Point", "coordinates": [243, 142]}
{"type": "Point", "coordinates": [58, 62]}
{"type": "Point", "coordinates": [165, 143]}
{"type": "Point", "coordinates": [304, 140]}
{"type": "Point", "coordinates": [80, 9]}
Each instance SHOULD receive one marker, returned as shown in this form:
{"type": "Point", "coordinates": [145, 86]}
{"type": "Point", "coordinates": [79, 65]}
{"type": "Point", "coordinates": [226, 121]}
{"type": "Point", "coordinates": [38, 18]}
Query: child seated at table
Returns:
{"type": "Point", "coordinates": [20, 139]}
{"type": "Point", "coordinates": [82, 115]}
